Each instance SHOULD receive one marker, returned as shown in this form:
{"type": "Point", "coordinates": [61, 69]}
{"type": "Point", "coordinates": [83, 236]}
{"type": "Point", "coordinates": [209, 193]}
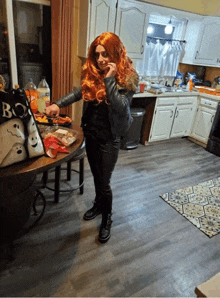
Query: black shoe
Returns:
{"type": "Point", "coordinates": [105, 229]}
{"type": "Point", "coordinates": [93, 212]}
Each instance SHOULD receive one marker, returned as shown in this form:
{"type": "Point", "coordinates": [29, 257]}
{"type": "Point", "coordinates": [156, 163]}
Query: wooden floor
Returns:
{"type": "Point", "coordinates": [153, 251]}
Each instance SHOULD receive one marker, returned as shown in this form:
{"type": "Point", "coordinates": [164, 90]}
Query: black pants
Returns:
{"type": "Point", "coordinates": [102, 157]}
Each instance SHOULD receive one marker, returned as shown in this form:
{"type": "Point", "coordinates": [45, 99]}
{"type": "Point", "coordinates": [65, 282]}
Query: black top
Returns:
{"type": "Point", "coordinates": [95, 121]}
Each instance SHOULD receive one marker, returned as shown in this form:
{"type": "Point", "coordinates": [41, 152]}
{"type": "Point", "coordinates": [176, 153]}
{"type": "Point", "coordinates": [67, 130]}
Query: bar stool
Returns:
{"type": "Point", "coordinates": [79, 157]}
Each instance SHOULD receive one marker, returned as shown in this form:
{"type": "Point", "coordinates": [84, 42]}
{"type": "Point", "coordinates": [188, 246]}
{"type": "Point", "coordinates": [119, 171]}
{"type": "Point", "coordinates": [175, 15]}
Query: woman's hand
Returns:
{"type": "Point", "coordinates": [112, 69]}
{"type": "Point", "coordinates": [53, 110]}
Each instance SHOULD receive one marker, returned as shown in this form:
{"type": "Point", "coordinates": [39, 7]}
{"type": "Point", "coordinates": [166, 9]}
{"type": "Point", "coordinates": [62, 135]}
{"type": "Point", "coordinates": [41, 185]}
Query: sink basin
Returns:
{"type": "Point", "coordinates": [170, 89]}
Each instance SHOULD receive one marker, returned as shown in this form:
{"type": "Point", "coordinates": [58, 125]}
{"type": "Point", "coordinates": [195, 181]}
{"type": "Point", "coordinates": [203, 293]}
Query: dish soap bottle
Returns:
{"type": "Point", "coordinates": [189, 85]}
{"type": "Point", "coordinates": [43, 95]}
{"type": "Point", "coordinates": [32, 95]}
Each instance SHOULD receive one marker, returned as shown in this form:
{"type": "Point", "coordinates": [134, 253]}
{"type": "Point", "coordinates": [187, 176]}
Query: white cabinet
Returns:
{"type": "Point", "coordinates": [203, 120]}
{"type": "Point", "coordinates": [131, 26]}
{"type": "Point", "coordinates": [207, 51]}
{"type": "Point", "coordinates": [183, 118]}
{"type": "Point", "coordinates": [103, 13]}
{"type": "Point", "coordinates": [96, 17]}
{"type": "Point", "coordinates": [173, 117]}
{"type": "Point", "coordinates": [162, 122]}
{"type": "Point", "coordinates": [203, 42]}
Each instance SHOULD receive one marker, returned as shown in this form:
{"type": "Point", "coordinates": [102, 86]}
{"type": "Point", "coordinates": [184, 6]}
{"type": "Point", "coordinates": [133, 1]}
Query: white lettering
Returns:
{"type": "Point", "coordinates": [23, 107]}
{"type": "Point", "coordinates": [6, 110]}
{"type": "Point", "coordinates": [8, 114]}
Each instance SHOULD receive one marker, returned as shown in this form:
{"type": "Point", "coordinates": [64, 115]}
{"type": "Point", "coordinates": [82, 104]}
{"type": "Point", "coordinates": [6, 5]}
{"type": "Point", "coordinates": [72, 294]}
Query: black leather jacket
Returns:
{"type": "Point", "coordinates": [119, 100]}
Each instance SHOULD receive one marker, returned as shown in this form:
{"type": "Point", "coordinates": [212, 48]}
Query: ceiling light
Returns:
{"type": "Point", "coordinates": [150, 29]}
{"type": "Point", "coordinates": [169, 28]}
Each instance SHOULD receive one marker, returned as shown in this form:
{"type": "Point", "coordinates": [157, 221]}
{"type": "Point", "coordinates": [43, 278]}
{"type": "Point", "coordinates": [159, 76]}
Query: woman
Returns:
{"type": "Point", "coordinates": [108, 85]}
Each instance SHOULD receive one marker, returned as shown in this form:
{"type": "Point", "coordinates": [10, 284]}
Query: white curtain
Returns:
{"type": "Point", "coordinates": [160, 59]}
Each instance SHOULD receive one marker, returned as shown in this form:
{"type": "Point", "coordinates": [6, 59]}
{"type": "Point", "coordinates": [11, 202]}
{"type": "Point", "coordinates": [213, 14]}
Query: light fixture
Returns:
{"type": "Point", "coordinates": [169, 28]}
{"type": "Point", "coordinates": [150, 29]}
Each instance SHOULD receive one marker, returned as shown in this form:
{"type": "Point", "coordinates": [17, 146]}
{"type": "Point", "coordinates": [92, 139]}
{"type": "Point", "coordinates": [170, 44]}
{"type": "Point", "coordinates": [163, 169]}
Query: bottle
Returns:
{"type": "Point", "coordinates": [32, 95]}
{"type": "Point", "coordinates": [43, 95]}
{"type": "Point", "coordinates": [190, 85]}
{"type": "Point", "coordinates": [2, 84]}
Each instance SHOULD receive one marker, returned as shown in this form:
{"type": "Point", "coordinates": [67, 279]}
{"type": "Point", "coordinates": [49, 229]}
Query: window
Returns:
{"type": "Point", "coordinates": [162, 49]}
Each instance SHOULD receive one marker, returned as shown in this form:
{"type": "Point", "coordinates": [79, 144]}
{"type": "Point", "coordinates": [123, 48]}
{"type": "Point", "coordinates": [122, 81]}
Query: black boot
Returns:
{"type": "Point", "coordinates": [105, 229]}
{"type": "Point", "coordinates": [93, 212]}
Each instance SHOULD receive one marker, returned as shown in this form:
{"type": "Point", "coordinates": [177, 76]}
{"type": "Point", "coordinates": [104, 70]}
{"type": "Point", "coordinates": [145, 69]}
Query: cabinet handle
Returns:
{"type": "Point", "coordinates": [142, 49]}
{"type": "Point", "coordinates": [197, 52]}
{"type": "Point", "coordinates": [171, 114]}
{"type": "Point", "coordinates": [212, 118]}
{"type": "Point", "coordinates": [217, 60]}
{"type": "Point", "coordinates": [177, 113]}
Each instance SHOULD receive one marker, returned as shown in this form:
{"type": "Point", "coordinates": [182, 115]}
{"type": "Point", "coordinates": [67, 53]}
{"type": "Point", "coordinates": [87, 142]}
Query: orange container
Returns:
{"type": "Point", "coordinates": [201, 89]}
{"type": "Point", "coordinates": [217, 92]}
{"type": "Point", "coordinates": [32, 96]}
{"type": "Point", "coordinates": [211, 91]}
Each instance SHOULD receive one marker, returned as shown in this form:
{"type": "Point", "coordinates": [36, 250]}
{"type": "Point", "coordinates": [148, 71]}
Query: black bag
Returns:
{"type": "Point", "coordinates": [19, 135]}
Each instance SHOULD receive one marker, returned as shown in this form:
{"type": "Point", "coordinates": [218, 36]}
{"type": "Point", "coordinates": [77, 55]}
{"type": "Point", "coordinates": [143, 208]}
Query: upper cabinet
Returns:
{"type": "Point", "coordinates": [103, 13]}
{"type": "Point", "coordinates": [203, 42]}
{"type": "Point", "coordinates": [96, 17]}
{"type": "Point", "coordinates": [129, 19]}
{"type": "Point", "coordinates": [131, 27]}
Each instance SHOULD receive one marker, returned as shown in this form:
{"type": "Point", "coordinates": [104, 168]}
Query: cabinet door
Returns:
{"type": "Point", "coordinates": [183, 119]}
{"type": "Point", "coordinates": [191, 37]}
{"type": "Point", "coordinates": [162, 123]}
{"type": "Point", "coordinates": [203, 123]}
{"type": "Point", "coordinates": [207, 50]}
{"type": "Point", "coordinates": [131, 27]}
{"type": "Point", "coordinates": [103, 13]}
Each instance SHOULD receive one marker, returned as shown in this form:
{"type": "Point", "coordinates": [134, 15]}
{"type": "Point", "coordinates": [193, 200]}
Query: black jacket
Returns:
{"type": "Point", "coordinates": [119, 100]}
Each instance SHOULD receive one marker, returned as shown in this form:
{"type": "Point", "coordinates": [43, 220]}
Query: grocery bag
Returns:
{"type": "Point", "coordinates": [19, 135]}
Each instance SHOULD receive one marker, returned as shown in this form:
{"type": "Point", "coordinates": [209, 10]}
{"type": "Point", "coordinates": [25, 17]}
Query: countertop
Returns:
{"type": "Point", "coordinates": [175, 94]}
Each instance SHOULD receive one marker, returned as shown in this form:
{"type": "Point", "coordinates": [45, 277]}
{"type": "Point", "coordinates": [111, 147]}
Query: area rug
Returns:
{"type": "Point", "coordinates": [200, 204]}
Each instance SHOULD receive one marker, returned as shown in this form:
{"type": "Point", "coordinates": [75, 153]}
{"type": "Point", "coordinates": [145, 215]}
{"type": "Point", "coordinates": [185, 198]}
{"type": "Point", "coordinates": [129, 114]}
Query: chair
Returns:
{"type": "Point", "coordinates": [79, 157]}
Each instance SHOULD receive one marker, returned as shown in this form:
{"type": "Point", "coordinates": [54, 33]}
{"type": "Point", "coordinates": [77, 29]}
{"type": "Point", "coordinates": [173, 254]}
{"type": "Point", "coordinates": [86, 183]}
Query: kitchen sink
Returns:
{"type": "Point", "coordinates": [171, 89]}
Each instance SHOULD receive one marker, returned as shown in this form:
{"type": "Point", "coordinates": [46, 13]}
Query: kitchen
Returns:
{"type": "Point", "coordinates": [153, 250]}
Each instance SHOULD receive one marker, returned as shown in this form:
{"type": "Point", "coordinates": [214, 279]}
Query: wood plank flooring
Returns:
{"type": "Point", "coordinates": [153, 250]}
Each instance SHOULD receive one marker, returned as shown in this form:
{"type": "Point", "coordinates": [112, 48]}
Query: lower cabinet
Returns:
{"type": "Point", "coordinates": [162, 122]}
{"type": "Point", "coordinates": [183, 120]}
{"type": "Point", "coordinates": [173, 117]}
{"type": "Point", "coordinates": [203, 123]}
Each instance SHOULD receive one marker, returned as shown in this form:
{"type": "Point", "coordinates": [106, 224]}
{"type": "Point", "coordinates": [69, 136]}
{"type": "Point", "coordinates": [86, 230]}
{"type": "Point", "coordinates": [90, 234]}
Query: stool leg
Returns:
{"type": "Point", "coordinates": [69, 171]}
{"type": "Point", "coordinates": [81, 175]}
{"type": "Point", "coordinates": [45, 178]}
{"type": "Point", "coordinates": [57, 184]}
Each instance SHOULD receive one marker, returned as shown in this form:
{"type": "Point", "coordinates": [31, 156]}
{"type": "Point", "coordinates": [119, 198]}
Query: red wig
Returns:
{"type": "Point", "coordinates": [93, 87]}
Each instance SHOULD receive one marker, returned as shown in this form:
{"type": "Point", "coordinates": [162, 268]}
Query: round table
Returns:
{"type": "Point", "coordinates": [17, 189]}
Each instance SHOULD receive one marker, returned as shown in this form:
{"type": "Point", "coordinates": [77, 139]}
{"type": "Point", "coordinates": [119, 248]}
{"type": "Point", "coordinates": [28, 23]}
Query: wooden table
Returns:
{"type": "Point", "coordinates": [17, 187]}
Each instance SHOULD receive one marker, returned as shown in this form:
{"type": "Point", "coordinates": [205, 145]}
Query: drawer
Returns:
{"type": "Point", "coordinates": [166, 101]}
{"type": "Point", "coordinates": [187, 100]}
{"type": "Point", "coordinates": [209, 103]}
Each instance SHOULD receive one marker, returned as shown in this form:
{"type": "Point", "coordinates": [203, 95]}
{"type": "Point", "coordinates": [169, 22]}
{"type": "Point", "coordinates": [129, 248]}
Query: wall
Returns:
{"type": "Point", "coordinates": [203, 7]}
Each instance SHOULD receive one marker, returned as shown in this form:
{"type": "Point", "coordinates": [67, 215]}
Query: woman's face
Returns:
{"type": "Point", "coordinates": [102, 57]}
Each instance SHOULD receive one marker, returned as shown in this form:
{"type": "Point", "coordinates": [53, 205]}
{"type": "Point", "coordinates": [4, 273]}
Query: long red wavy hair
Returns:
{"type": "Point", "coordinates": [93, 87]}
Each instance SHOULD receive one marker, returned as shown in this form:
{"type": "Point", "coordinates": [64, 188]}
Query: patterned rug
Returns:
{"type": "Point", "coordinates": [200, 204]}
